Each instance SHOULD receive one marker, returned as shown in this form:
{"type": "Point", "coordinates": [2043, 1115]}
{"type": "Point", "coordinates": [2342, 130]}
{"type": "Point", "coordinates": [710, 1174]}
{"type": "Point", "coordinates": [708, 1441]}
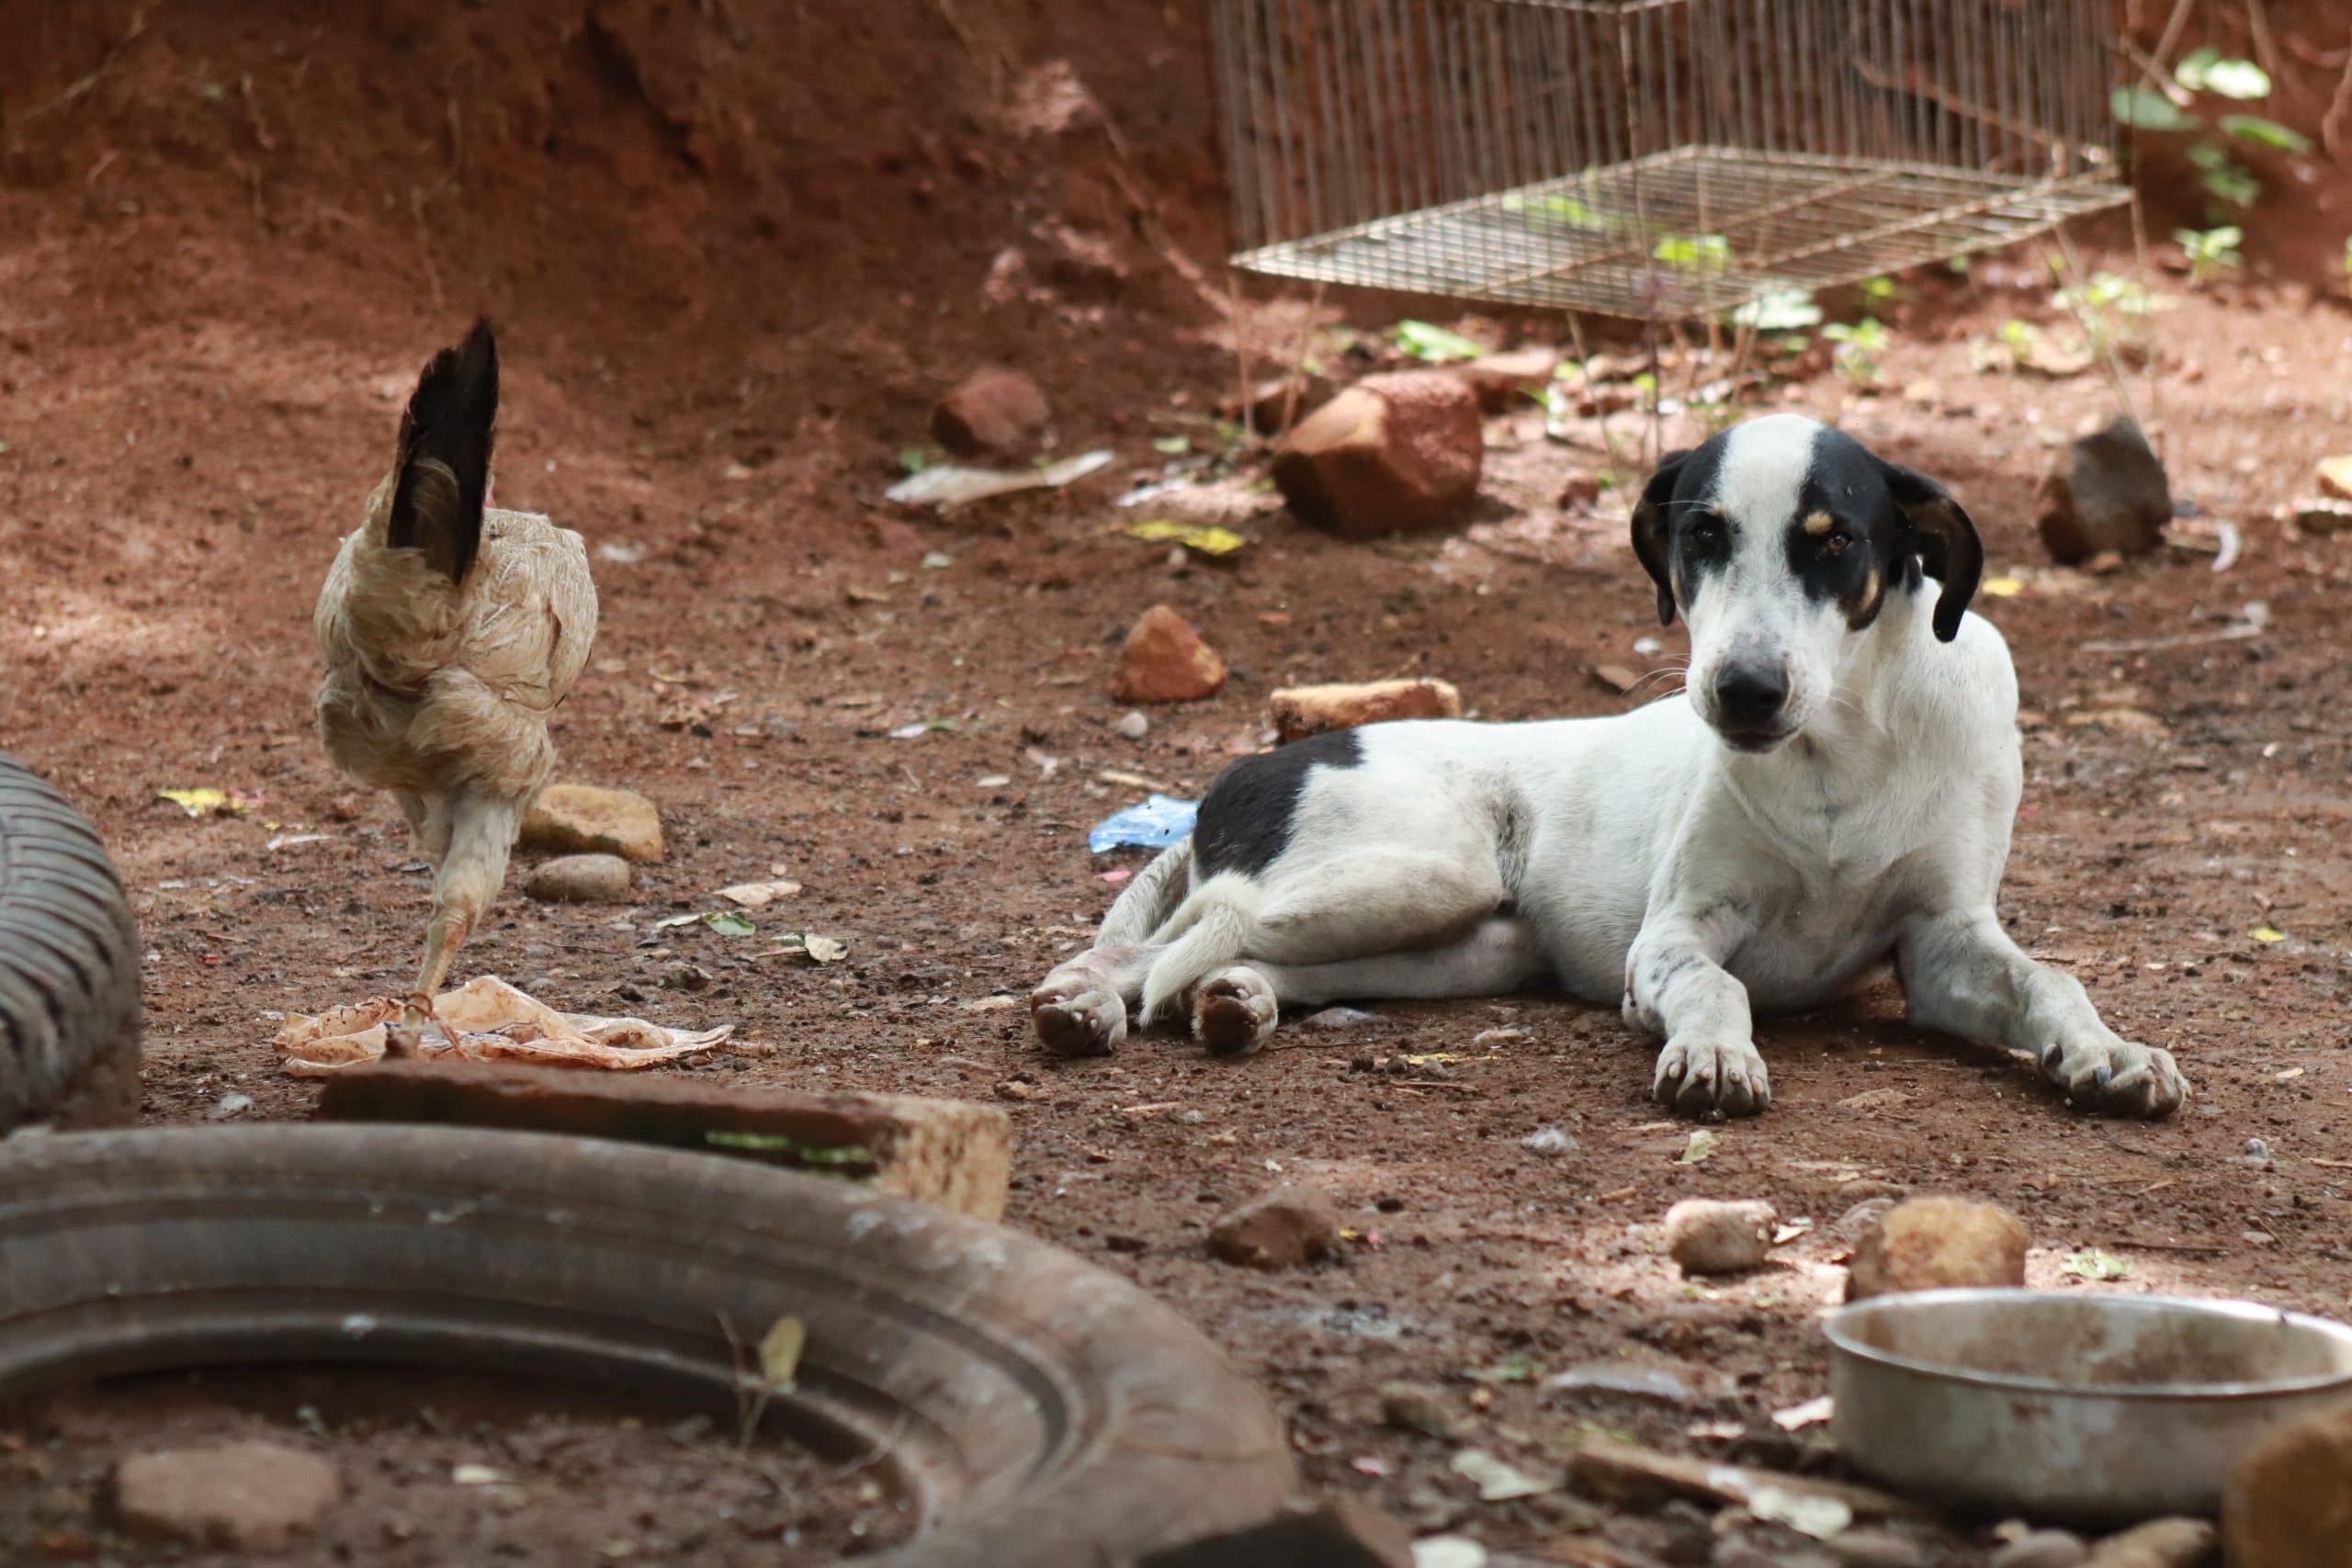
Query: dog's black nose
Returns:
{"type": "Point", "coordinates": [1749, 697]}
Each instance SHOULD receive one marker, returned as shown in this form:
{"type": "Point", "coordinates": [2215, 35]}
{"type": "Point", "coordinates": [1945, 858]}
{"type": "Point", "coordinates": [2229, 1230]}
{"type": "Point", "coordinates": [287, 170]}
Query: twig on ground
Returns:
{"type": "Point", "coordinates": [1240, 351]}
{"type": "Point", "coordinates": [1626, 472]}
{"type": "Point", "coordinates": [2171, 35]}
{"type": "Point", "coordinates": [2339, 115]}
{"type": "Point", "coordinates": [2104, 342]}
{"type": "Point", "coordinates": [82, 87]}
{"type": "Point", "coordinates": [1292, 388]}
{"type": "Point", "coordinates": [424, 247]}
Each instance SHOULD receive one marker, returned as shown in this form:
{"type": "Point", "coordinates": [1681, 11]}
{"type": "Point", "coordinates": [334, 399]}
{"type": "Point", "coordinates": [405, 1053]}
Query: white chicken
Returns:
{"type": "Point", "coordinates": [450, 631]}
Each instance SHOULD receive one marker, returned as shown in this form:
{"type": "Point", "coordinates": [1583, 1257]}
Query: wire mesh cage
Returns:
{"type": "Point", "coordinates": [1654, 158]}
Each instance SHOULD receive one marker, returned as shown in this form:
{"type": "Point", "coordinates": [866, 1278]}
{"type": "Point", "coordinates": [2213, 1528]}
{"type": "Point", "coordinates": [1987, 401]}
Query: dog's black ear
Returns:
{"type": "Point", "coordinates": [1650, 531]}
{"type": "Point", "coordinates": [1944, 538]}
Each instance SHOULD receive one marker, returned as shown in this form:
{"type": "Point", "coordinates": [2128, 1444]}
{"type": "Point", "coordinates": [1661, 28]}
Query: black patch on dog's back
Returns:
{"type": "Point", "coordinates": [1245, 819]}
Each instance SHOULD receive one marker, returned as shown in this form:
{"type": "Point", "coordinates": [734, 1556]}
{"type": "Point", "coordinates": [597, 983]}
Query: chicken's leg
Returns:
{"type": "Point", "coordinates": [481, 836]}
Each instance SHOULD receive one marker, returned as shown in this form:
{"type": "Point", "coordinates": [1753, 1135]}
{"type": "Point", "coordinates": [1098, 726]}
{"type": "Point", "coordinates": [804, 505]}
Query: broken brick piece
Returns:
{"type": "Point", "coordinates": [1301, 711]}
{"type": "Point", "coordinates": [1391, 453]}
{"type": "Point", "coordinates": [948, 1152]}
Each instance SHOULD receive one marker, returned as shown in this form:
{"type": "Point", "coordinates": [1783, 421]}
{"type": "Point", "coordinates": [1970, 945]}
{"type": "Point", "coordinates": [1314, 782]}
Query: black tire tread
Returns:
{"type": "Point", "coordinates": [1035, 1410]}
{"type": "Point", "coordinates": [69, 965]}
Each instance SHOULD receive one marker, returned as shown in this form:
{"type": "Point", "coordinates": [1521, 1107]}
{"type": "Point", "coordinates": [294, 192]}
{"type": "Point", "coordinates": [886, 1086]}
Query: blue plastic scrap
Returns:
{"type": "Point", "coordinates": [1154, 825]}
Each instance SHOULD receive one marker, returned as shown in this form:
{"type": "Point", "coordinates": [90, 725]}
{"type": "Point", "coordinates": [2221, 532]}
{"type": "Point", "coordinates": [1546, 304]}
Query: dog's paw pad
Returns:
{"type": "Point", "coordinates": [1234, 1012]}
{"type": "Point", "coordinates": [1077, 1022]}
{"type": "Point", "coordinates": [2123, 1078]}
{"type": "Point", "coordinates": [1706, 1080]}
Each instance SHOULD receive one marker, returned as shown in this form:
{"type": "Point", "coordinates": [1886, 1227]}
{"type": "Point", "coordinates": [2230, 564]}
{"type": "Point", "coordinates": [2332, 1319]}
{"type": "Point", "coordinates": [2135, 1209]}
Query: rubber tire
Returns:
{"type": "Point", "coordinates": [1035, 1409]}
{"type": "Point", "coordinates": [68, 966]}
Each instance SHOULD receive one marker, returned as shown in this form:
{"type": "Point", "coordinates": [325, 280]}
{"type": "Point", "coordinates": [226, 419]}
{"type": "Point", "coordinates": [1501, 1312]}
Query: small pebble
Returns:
{"type": "Point", "coordinates": [231, 1105]}
{"type": "Point", "coordinates": [2288, 1503]}
{"type": "Point", "coordinates": [248, 1498]}
{"type": "Point", "coordinates": [1335, 1018]}
{"type": "Point", "coordinates": [1626, 1379]}
{"type": "Point", "coordinates": [1411, 1407]}
{"type": "Point", "coordinates": [1862, 1219]}
{"type": "Point", "coordinates": [579, 879]}
{"type": "Point", "coordinates": [2042, 1549]}
{"type": "Point", "coordinates": [1292, 1224]}
{"type": "Point", "coordinates": [1708, 1238]}
{"type": "Point", "coordinates": [1133, 725]}
{"type": "Point", "coordinates": [2160, 1544]}
{"type": "Point", "coordinates": [1548, 1141]}
{"type": "Point", "coordinates": [1876, 1549]}
{"type": "Point", "coordinates": [2257, 1152]}
{"type": "Point", "coordinates": [1931, 1243]}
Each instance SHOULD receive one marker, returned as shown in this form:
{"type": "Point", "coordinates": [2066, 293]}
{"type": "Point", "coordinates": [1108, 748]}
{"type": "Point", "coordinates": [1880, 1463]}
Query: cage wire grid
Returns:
{"type": "Point", "coordinates": [1656, 159]}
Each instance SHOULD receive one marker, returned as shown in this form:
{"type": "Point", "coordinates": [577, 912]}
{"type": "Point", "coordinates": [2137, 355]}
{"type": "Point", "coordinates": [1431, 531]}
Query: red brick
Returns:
{"type": "Point", "coordinates": [948, 1152]}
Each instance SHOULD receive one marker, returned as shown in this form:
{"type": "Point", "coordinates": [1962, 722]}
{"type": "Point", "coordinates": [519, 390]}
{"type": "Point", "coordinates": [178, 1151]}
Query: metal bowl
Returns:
{"type": "Point", "coordinates": [2069, 1404]}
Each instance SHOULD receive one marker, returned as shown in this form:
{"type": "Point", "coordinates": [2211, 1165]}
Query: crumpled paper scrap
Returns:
{"type": "Point", "coordinates": [493, 1022]}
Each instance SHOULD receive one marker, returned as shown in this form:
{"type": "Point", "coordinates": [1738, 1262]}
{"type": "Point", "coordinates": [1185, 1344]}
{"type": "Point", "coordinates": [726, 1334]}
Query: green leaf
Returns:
{"type": "Point", "coordinates": [1784, 310]}
{"type": "Point", "coordinates": [1424, 340]}
{"type": "Point", "coordinates": [783, 1143]}
{"type": "Point", "coordinates": [2231, 184]}
{"type": "Point", "coordinates": [2265, 132]}
{"type": "Point", "coordinates": [2092, 1264]}
{"type": "Point", "coordinates": [1869, 335]}
{"type": "Point", "coordinates": [729, 924]}
{"type": "Point", "coordinates": [2143, 109]}
{"type": "Point", "coordinates": [1208, 539]}
{"type": "Point", "coordinates": [1701, 253]}
{"type": "Point", "coordinates": [1172, 445]}
{"type": "Point", "coordinates": [1512, 1369]}
{"type": "Point", "coordinates": [914, 459]}
{"type": "Point", "coordinates": [2204, 71]}
{"type": "Point", "coordinates": [2214, 248]}
{"type": "Point", "coordinates": [1560, 209]}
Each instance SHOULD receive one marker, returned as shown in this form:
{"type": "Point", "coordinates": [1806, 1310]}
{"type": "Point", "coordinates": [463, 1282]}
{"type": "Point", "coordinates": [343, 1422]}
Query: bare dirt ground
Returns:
{"type": "Point", "coordinates": [729, 283]}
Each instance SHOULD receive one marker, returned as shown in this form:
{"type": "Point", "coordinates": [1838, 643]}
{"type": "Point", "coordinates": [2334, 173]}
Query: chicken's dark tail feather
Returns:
{"type": "Point", "coordinates": [444, 455]}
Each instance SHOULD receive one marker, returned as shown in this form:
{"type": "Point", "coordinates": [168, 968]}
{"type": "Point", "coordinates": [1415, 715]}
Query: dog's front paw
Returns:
{"type": "Point", "coordinates": [1698, 1077]}
{"type": "Point", "coordinates": [1077, 1015]}
{"type": "Point", "coordinates": [2116, 1077]}
{"type": "Point", "coordinates": [1234, 1012]}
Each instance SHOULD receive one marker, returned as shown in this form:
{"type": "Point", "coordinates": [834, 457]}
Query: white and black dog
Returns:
{"type": "Point", "coordinates": [1837, 791]}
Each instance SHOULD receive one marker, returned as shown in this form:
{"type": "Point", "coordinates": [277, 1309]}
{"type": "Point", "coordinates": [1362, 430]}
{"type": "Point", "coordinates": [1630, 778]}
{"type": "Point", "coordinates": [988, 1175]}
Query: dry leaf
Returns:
{"type": "Point", "coordinates": [780, 1351]}
{"type": "Point", "coordinates": [757, 895]}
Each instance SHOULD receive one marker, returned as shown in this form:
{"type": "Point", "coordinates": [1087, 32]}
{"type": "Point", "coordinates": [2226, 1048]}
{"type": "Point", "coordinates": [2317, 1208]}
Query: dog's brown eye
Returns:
{"type": "Point", "coordinates": [1835, 544]}
{"type": "Point", "coordinates": [1706, 533]}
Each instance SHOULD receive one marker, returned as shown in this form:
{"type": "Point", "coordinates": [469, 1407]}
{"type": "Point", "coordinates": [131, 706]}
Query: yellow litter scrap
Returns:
{"type": "Point", "coordinates": [205, 801]}
{"type": "Point", "coordinates": [1207, 538]}
{"type": "Point", "coordinates": [2002, 587]}
{"type": "Point", "coordinates": [2267, 933]}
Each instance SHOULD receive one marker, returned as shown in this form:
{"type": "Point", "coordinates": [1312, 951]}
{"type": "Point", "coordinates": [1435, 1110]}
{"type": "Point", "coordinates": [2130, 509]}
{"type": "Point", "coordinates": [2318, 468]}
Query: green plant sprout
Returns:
{"type": "Point", "coordinates": [1858, 348]}
{"type": "Point", "coordinates": [2206, 71]}
{"type": "Point", "coordinates": [1782, 310]}
{"type": "Point", "coordinates": [1435, 344]}
{"type": "Point", "coordinates": [2111, 310]}
{"type": "Point", "coordinates": [2164, 111]}
{"type": "Point", "coordinates": [2210, 253]}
